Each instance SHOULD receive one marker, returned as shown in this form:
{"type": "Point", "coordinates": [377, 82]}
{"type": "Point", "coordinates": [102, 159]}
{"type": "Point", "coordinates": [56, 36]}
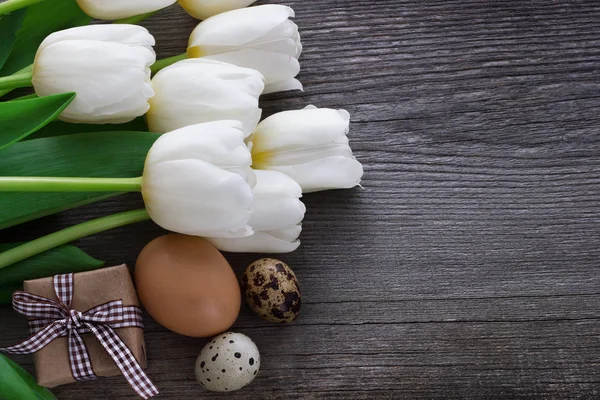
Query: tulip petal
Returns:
{"type": "Point", "coordinates": [276, 216]}
{"type": "Point", "coordinates": [261, 38]}
{"type": "Point", "coordinates": [284, 39]}
{"type": "Point", "coordinates": [308, 128]}
{"type": "Point", "coordinates": [310, 145]}
{"type": "Point", "coordinates": [288, 234]}
{"type": "Point", "coordinates": [196, 181]}
{"type": "Point", "coordinates": [291, 155]}
{"type": "Point", "coordinates": [198, 90]}
{"type": "Point", "coordinates": [283, 86]}
{"type": "Point", "coordinates": [197, 198]}
{"type": "Point", "coordinates": [112, 80]}
{"type": "Point", "coordinates": [268, 215]}
{"type": "Point", "coordinates": [275, 67]}
{"type": "Point", "coordinates": [276, 202]}
{"type": "Point", "coordinates": [117, 9]}
{"type": "Point", "coordinates": [260, 242]}
{"type": "Point", "coordinates": [133, 35]}
{"type": "Point", "coordinates": [203, 9]}
{"type": "Point", "coordinates": [219, 143]}
{"type": "Point", "coordinates": [324, 174]}
{"type": "Point", "coordinates": [239, 27]}
{"type": "Point", "coordinates": [272, 183]}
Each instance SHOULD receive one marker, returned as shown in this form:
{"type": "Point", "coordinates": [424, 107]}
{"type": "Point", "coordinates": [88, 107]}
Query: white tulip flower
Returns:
{"type": "Point", "coordinates": [276, 216]}
{"type": "Point", "coordinates": [197, 90]}
{"type": "Point", "coordinates": [310, 145]}
{"type": "Point", "coordinates": [197, 181]}
{"type": "Point", "coordinates": [262, 38]}
{"type": "Point", "coordinates": [203, 9]}
{"type": "Point", "coordinates": [118, 9]}
{"type": "Point", "coordinates": [108, 66]}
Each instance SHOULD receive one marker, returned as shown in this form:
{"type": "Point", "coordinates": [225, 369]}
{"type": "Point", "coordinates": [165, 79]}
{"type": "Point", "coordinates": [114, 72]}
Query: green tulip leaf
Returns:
{"type": "Point", "coordinates": [41, 20]}
{"type": "Point", "coordinates": [60, 260]}
{"type": "Point", "coordinates": [6, 293]}
{"type": "Point", "coordinates": [19, 119]}
{"type": "Point", "coordinates": [105, 154]}
{"type": "Point", "coordinates": [17, 384]}
{"type": "Point", "coordinates": [60, 128]}
{"type": "Point", "coordinates": [26, 97]}
{"type": "Point", "coordinates": [9, 25]}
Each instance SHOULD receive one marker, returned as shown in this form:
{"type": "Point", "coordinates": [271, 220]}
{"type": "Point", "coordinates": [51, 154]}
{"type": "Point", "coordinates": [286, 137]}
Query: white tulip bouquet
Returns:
{"type": "Point", "coordinates": [119, 9]}
{"type": "Point", "coordinates": [185, 132]}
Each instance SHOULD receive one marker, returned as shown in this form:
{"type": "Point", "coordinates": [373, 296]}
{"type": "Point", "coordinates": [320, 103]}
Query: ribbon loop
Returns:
{"type": "Point", "coordinates": [49, 319]}
{"type": "Point", "coordinates": [33, 306]}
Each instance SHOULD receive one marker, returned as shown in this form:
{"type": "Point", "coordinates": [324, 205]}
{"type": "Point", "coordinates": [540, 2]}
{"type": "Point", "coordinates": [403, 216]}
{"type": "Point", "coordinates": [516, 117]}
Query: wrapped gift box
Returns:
{"type": "Point", "coordinates": [91, 289]}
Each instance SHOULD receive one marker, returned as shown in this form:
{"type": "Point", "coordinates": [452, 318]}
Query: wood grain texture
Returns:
{"type": "Point", "coordinates": [467, 267]}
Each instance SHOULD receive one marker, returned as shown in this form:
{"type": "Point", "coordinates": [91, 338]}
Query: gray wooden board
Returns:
{"type": "Point", "coordinates": [468, 265]}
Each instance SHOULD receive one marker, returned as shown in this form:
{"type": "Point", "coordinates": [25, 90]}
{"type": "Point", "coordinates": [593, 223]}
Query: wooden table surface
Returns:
{"type": "Point", "coordinates": [468, 265]}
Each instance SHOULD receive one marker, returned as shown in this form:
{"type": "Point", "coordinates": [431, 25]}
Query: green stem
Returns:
{"type": "Point", "coordinates": [44, 184]}
{"type": "Point", "coordinates": [165, 62]}
{"type": "Point", "coordinates": [67, 235]}
{"type": "Point", "coordinates": [13, 5]}
{"type": "Point", "coordinates": [28, 68]}
{"type": "Point", "coordinates": [16, 81]}
{"type": "Point", "coordinates": [136, 19]}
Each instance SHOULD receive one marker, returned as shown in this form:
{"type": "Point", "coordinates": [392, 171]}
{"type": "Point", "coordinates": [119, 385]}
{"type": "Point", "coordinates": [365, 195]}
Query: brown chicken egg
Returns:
{"type": "Point", "coordinates": [187, 286]}
{"type": "Point", "coordinates": [272, 291]}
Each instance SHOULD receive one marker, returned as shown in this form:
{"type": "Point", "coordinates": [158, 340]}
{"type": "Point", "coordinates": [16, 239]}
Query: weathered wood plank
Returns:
{"type": "Point", "coordinates": [467, 267]}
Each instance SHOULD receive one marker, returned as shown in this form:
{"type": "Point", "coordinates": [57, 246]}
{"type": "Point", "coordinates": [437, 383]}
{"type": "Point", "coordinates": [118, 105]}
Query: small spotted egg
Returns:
{"type": "Point", "coordinates": [228, 362]}
{"type": "Point", "coordinates": [272, 291]}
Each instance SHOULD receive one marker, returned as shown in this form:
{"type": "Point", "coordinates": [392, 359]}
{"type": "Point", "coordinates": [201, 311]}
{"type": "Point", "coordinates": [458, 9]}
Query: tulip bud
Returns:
{"type": "Point", "coordinates": [108, 66]}
{"type": "Point", "coordinates": [117, 9]}
{"type": "Point", "coordinates": [262, 38]}
{"type": "Point", "coordinates": [276, 216]}
{"type": "Point", "coordinates": [202, 9]}
{"type": "Point", "coordinates": [197, 90]}
{"type": "Point", "coordinates": [196, 181]}
{"type": "Point", "coordinates": [310, 146]}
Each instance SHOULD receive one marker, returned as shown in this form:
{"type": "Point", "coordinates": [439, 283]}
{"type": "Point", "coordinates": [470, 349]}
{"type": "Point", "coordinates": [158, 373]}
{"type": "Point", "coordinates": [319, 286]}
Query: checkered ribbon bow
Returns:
{"type": "Point", "coordinates": [50, 319]}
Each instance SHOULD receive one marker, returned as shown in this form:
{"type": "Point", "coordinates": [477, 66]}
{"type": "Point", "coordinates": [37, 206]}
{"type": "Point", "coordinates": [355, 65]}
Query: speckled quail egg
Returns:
{"type": "Point", "coordinates": [272, 291]}
{"type": "Point", "coordinates": [228, 362]}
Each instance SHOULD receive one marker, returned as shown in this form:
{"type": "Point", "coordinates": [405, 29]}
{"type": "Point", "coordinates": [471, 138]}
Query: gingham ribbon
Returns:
{"type": "Point", "coordinates": [50, 319]}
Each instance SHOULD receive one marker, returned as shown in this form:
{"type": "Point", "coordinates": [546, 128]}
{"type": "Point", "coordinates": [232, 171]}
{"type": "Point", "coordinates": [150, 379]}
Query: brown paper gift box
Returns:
{"type": "Point", "coordinates": [91, 289]}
